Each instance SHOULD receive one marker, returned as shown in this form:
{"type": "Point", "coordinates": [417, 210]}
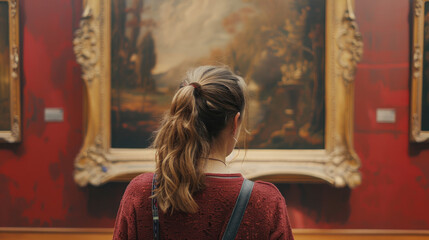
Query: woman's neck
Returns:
{"type": "Point", "coordinates": [216, 160]}
{"type": "Point", "coordinates": [216, 163]}
{"type": "Point", "coordinates": [213, 166]}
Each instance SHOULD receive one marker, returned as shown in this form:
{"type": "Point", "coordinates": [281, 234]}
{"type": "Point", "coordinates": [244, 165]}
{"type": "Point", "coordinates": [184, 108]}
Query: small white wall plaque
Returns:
{"type": "Point", "coordinates": [54, 115]}
{"type": "Point", "coordinates": [386, 115]}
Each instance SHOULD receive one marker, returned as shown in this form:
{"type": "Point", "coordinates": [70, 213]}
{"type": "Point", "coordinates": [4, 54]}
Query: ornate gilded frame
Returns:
{"type": "Point", "coordinates": [14, 134]}
{"type": "Point", "coordinates": [416, 132]}
{"type": "Point", "coordinates": [337, 164]}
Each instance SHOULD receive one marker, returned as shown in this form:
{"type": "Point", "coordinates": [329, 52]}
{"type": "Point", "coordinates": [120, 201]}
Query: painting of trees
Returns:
{"type": "Point", "coordinates": [278, 46]}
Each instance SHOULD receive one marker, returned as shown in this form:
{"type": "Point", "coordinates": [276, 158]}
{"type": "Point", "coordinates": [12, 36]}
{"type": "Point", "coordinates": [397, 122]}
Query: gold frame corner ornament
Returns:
{"type": "Point", "coordinates": [416, 94]}
{"type": "Point", "coordinates": [337, 163]}
{"type": "Point", "coordinates": [13, 135]}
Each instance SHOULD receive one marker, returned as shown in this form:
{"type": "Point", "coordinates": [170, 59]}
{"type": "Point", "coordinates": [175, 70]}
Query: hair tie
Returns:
{"type": "Point", "coordinates": [197, 87]}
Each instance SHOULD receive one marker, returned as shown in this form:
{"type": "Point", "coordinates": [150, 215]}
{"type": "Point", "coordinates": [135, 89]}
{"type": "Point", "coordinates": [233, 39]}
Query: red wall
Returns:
{"type": "Point", "coordinates": [36, 176]}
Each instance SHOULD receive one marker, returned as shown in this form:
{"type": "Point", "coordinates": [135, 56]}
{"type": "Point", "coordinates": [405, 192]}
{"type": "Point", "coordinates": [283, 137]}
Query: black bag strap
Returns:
{"type": "Point", "coordinates": [155, 215]}
{"type": "Point", "coordinates": [239, 209]}
{"type": "Point", "coordinates": [234, 221]}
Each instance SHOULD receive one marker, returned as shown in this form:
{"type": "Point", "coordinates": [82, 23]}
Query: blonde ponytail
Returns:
{"type": "Point", "coordinates": [200, 109]}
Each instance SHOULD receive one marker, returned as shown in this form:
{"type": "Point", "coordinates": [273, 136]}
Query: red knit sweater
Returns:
{"type": "Point", "coordinates": [265, 217]}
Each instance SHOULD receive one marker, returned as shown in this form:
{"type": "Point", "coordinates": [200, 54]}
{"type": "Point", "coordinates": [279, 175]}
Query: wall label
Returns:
{"type": "Point", "coordinates": [54, 115]}
{"type": "Point", "coordinates": [386, 115]}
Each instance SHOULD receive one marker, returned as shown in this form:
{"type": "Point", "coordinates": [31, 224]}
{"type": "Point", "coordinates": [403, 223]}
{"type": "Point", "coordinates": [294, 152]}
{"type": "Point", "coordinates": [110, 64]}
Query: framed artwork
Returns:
{"type": "Point", "coordinates": [298, 58]}
{"type": "Point", "coordinates": [419, 120]}
{"type": "Point", "coordinates": [10, 114]}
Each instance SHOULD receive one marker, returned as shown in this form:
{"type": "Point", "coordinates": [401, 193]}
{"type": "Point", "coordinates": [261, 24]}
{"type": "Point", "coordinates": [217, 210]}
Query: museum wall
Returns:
{"type": "Point", "coordinates": [36, 175]}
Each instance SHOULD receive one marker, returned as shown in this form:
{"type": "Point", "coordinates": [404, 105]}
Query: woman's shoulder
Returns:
{"type": "Point", "coordinates": [142, 179]}
{"type": "Point", "coordinates": [266, 205]}
{"type": "Point", "coordinates": [139, 186]}
{"type": "Point", "coordinates": [267, 191]}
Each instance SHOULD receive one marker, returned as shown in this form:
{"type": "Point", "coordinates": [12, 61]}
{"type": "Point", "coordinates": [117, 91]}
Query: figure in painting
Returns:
{"type": "Point", "coordinates": [133, 59]}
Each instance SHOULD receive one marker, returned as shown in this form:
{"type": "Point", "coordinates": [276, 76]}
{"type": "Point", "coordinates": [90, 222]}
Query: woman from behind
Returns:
{"type": "Point", "coordinates": [192, 185]}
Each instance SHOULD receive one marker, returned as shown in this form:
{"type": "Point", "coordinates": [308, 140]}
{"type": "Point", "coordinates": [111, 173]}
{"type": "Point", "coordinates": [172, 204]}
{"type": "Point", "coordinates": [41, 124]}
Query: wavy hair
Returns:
{"type": "Point", "coordinates": [208, 98]}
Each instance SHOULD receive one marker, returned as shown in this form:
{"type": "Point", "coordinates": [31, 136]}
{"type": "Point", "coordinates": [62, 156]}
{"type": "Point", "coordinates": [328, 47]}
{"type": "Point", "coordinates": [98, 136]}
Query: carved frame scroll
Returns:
{"type": "Point", "coordinates": [337, 163]}
{"type": "Point", "coordinates": [417, 134]}
{"type": "Point", "coordinates": [13, 134]}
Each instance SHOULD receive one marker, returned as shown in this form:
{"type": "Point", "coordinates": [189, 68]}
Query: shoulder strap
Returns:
{"type": "Point", "coordinates": [155, 216]}
{"type": "Point", "coordinates": [238, 211]}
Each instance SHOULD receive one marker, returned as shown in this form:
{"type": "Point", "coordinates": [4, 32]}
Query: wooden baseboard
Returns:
{"type": "Point", "coordinates": [299, 234]}
{"type": "Point", "coordinates": [360, 234]}
{"type": "Point", "coordinates": [55, 233]}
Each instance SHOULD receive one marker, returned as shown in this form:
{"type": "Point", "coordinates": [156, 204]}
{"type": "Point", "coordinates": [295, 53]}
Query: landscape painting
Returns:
{"type": "Point", "coordinates": [5, 110]}
{"type": "Point", "coordinates": [278, 46]}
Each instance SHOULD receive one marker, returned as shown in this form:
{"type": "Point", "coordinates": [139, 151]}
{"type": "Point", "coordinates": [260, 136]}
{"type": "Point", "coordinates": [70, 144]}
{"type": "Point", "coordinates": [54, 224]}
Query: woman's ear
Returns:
{"type": "Point", "coordinates": [237, 121]}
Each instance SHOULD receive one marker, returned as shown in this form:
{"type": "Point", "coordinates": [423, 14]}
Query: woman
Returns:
{"type": "Point", "coordinates": [195, 191]}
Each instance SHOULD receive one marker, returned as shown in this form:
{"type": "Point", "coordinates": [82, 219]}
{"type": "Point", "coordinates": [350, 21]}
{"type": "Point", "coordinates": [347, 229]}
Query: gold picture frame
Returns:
{"type": "Point", "coordinates": [10, 110]}
{"type": "Point", "coordinates": [419, 117]}
{"type": "Point", "coordinates": [337, 163]}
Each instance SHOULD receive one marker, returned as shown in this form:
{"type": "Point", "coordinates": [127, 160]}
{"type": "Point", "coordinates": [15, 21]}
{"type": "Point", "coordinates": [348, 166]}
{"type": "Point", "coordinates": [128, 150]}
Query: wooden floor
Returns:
{"type": "Point", "coordinates": [299, 234]}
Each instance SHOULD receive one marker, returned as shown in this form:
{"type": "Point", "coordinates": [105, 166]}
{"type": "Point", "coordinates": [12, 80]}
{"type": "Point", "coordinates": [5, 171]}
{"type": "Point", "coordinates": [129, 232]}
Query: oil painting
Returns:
{"type": "Point", "coordinates": [298, 58]}
{"type": "Point", "coordinates": [5, 111]}
{"type": "Point", "coordinates": [278, 46]}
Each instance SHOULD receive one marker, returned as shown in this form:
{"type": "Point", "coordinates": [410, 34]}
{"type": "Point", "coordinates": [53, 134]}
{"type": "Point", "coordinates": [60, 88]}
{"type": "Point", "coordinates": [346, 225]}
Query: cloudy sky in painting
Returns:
{"type": "Point", "coordinates": [187, 29]}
